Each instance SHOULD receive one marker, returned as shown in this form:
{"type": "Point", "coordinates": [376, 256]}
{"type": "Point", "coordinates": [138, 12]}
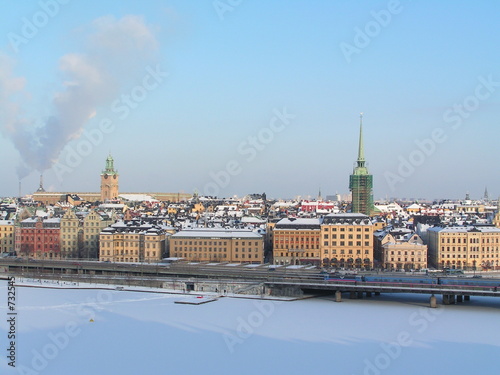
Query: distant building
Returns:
{"type": "Point", "coordinates": [347, 241]}
{"type": "Point", "coordinates": [297, 241]}
{"type": "Point", "coordinates": [108, 191]}
{"type": "Point", "coordinates": [51, 198]}
{"type": "Point", "coordinates": [220, 245]}
{"type": "Point", "coordinates": [317, 206]}
{"type": "Point", "coordinates": [464, 247]}
{"type": "Point", "coordinates": [361, 182]}
{"type": "Point", "coordinates": [390, 208]}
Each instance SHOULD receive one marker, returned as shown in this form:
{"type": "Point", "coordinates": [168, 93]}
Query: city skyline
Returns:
{"type": "Point", "coordinates": [229, 99]}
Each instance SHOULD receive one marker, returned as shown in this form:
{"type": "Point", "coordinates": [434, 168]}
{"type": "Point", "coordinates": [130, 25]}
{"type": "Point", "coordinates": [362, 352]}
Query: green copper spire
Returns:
{"type": "Point", "coordinates": [360, 168]}
{"type": "Point", "coordinates": [110, 169]}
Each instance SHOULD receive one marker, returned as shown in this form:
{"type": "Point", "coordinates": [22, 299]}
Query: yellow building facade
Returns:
{"type": "Point", "coordinates": [404, 255]}
{"type": "Point", "coordinates": [347, 241]}
{"type": "Point", "coordinates": [220, 245]}
{"type": "Point", "coordinates": [464, 247]}
{"type": "Point", "coordinates": [70, 235]}
{"type": "Point", "coordinates": [7, 236]}
{"type": "Point", "coordinates": [132, 242]}
{"type": "Point", "coordinates": [93, 224]}
{"type": "Point", "coordinates": [296, 241]}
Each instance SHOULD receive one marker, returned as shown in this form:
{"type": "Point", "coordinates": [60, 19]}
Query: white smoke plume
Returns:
{"type": "Point", "coordinates": [115, 54]}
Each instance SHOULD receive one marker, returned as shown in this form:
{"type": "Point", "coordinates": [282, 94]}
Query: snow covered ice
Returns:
{"type": "Point", "coordinates": [93, 331]}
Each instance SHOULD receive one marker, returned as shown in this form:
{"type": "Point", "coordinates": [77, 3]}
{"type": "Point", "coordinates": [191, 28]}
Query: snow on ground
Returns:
{"type": "Point", "coordinates": [95, 331]}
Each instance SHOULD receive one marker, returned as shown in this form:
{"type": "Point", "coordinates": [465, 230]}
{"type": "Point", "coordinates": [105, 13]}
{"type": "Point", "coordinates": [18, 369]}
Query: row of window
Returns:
{"type": "Point", "coordinates": [120, 236]}
{"type": "Point", "coordinates": [342, 243]}
{"type": "Point", "coordinates": [408, 260]}
{"type": "Point", "coordinates": [459, 256]}
{"type": "Point", "coordinates": [282, 246]}
{"type": "Point", "coordinates": [419, 253]}
{"type": "Point", "coordinates": [471, 240]}
{"type": "Point", "coordinates": [305, 255]}
{"type": "Point", "coordinates": [216, 256]}
{"type": "Point", "coordinates": [214, 249]}
{"type": "Point", "coordinates": [472, 248]}
{"type": "Point", "coordinates": [45, 247]}
{"type": "Point", "coordinates": [69, 223]}
{"type": "Point", "coordinates": [470, 256]}
{"type": "Point", "coordinates": [301, 239]}
{"type": "Point", "coordinates": [334, 252]}
{"type": "Point", "coordinates": [342, 229]}
{"type": "Point", "coordinates": [128, 244]}
{"type": "Point", "coordinates": [72, 230]}
{"type": "Point", "coordinates": [200, 257]}
{"type": "Point", "coordinates": [349, 236]}
{"type": "Point", "coordinates": [279, 232]}
{"type": "Point", "coordinates": [214, 243]}
{"type": "Point", "coordinates": [39, 239]}
{"type": "Point", "coordinates": [126, 252]}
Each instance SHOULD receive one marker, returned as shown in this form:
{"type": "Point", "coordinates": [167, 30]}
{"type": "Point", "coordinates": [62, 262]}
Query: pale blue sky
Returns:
{"type": "Point", "coordinates": [229, 72]}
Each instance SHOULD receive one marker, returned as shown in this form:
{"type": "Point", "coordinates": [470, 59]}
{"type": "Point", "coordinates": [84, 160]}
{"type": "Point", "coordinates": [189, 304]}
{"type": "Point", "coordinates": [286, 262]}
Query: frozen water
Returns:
{"type": "Point", "coordinates": [92, 331]}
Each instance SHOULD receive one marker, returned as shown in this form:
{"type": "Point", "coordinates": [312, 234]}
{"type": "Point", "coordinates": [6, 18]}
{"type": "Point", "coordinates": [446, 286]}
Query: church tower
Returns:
{"type": "Point", "coordinates": [109, 181]}
{"type": "Point", "coordinates": [361, 182]}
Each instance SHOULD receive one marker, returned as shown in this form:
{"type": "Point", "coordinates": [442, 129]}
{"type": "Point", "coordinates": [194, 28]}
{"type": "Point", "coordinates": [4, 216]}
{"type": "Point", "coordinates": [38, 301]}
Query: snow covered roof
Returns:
{"type": "Point", "coordinates": [253, 220]}
{"type": "Point", "coordinates": [53, 220]}
{"type": "Point", "coordinates": [138, 198]}
{"type": "Point", "coordinates": [216, 233]}
{"type": "Point", "coordinates": [414, 206]}
{"type": "Point", "coordinates": [302, 223]}
{"type": "Point", "coordinates": [30, 220]}
{"type": "Point", "coordinates": [465, 229]}
{"type": "Point", "coordinates": [347, 219]}
{"type": "Point", "coordinates": [111, 205]}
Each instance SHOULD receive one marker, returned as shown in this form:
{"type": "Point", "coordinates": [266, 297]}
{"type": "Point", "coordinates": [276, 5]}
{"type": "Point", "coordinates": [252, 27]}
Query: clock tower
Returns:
{"type": "Point", "coordinates": [109, 181]}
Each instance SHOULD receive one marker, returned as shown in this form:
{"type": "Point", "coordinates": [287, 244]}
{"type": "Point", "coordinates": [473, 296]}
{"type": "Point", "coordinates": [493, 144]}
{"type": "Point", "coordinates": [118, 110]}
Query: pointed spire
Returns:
{"type": "Point", "coordinates": [361, 150]}
{"type": "Point", "coordinates": [40, 188]}
{"type": "Point", "coordinates": [360, 168]}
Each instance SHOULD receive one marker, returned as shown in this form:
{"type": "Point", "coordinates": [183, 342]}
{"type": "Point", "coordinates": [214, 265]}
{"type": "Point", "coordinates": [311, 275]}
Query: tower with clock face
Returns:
{"type": "Point", "coordinates": [109, 181]}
